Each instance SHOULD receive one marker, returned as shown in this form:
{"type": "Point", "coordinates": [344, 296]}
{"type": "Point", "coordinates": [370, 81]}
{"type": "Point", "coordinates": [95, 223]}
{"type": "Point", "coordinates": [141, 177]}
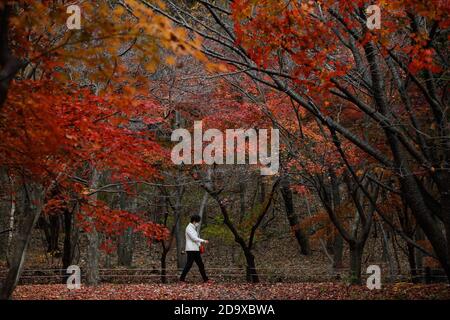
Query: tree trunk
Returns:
{"type": "Point", "coordinates": [50, 225]}
{"type": "Point", "coordinates": [338, 248]}
{"type": "Point", "coordinates": [444, 190]}
{"type": "Point", "coordinates": [54, 234]}
{"type": "Point", "coordinates": [5, 209]}
{"type": "Point", "coordinates": [12, 219]}
{"type": "Point", "coordinates": [412, 263]}
{"type": "Point", "coordinates": [164, 266]}
{"type": "Point", "coordinates": [9, 63]}
{"type": "Point", "coordinates": [388, 254]}
{"type": "Point", "coordinates": [179, 231]}
{"type": "Point", "coordinates": [92, 272]}
{"type": "Point", "coordinates": [251, 272]}
{"type": "Point", "coordinates": [179, 239]}
{"type": "Point", "coordinates": [201, 210]}
{"type": "Point", "coordinates": [430, 226]}
{"type": "Point", "coordinates": [338, 241]}
{"type": "Point", "coordinates": [108, 263]}
{"type": "Point", "coordinates": [30, 210]}
{"type": "Point", "coordinates": [126, 240]}
{"type": "Point", "coordinates": [67, 255]}
{"type": "Point", "coordinates": [355, 263]}
{"type": "Point", "coordinates": [293, 218]}
{"type": "Point", "coordinates": [125, 249]}
{"type": "Point", "coordinates": [419, 256]}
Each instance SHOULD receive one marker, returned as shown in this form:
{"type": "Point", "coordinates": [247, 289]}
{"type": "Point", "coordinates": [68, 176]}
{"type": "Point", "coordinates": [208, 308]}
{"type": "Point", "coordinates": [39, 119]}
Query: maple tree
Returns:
{"type": "Point", "coordinates": [78, 110]}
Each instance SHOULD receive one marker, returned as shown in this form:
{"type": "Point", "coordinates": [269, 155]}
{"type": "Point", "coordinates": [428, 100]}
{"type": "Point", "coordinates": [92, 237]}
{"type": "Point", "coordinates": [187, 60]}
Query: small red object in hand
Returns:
{"type": "Point", "coordinates": [202, 249]}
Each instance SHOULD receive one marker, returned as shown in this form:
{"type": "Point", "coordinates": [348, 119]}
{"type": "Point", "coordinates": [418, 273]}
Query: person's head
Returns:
{"type": "Point", "coordinates": [195, 219]}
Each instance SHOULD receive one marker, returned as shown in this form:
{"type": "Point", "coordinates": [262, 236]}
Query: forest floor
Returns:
{"type": "Point", "coordinates": [216, 291]}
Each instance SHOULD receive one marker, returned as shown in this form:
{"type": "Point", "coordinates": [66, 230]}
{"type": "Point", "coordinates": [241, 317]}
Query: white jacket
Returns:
{"type": "Point", "coordinates": [192, 239]}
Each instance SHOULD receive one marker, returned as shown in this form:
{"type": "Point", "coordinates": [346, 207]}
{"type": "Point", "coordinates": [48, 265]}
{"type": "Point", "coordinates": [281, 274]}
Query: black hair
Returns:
{"type": "Point", "coordinates": [195, 218]}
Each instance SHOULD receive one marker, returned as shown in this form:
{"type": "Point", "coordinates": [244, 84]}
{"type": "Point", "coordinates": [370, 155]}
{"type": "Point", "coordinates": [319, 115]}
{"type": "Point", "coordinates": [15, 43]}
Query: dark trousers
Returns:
{"type": "Point", "coordinates": [191, 257]}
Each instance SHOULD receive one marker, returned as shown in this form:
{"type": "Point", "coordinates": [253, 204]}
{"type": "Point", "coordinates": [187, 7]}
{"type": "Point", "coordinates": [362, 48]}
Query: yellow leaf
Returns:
{"type": "Point", "coordinates": [171, 60]}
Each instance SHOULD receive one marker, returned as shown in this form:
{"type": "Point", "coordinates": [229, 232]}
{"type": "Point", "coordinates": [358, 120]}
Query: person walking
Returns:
{"type": "Point", "coordinates": [193, 242]}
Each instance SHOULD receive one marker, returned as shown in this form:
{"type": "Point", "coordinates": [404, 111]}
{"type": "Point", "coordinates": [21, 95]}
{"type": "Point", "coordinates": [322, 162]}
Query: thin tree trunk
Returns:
{"type": "Point", "coordinates": [412, 262]}
{"type": "Point", "coordinates": [9, 63]}
{"type": "Point", "coordinates": [251, 272]}
{"type": "Point", "coordinates": [11, 222]}
{"type": "Point", "coordinates": [419, 255]}
{"type": "Point", "coordinates": [338, 241]}
{"type": "Point", "coordinates": [54, 233]}
{"type": "Point", "coordinates": [92, 272]}
{"type": "Point", "coordinates": [293, 217]}
{"type": "Point", "coordinates": [125, 246]}
{"type": "Point", "coordinates": [125, 249]}
{"type": "Point", "coordinates": [92, 266]}
{"type": "Point", "coordinates": [387, 252]}
{"type": "Point", "coordinates": [444, 190]}
{"type": "Point", "coordinates": [179, 231]}
{"type": "Point", "coordinates": [30, 210]}
{"type": "Point", "coordinates": [164, 266]}
{"type": "Point", "coordinates": [67, 255]}
{"type": "Point", "coordinates": [179, 239]}
{"type": "Point", "coordinates": [201, 210]}
{"type": "Point", "coordinates": [355, 263]}
{"type": "Point", "coordinates": [338, 249]}
{"type": "Point", "coordinates": [6, 211]}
